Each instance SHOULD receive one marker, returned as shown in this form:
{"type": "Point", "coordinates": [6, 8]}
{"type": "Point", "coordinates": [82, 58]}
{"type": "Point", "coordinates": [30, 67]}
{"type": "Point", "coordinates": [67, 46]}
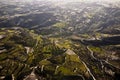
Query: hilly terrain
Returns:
{"type": "Point", "coordinates": [56, 40]}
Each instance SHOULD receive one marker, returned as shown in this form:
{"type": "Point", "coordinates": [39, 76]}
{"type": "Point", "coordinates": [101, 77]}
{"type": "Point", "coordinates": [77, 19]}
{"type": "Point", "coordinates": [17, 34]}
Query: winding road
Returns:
{"type": "Point", "coordinates": [104, 64]}
{"type": "Point", "coordinates": [101, 61]}
{"type": "Point", "coordinates": [89, 71]}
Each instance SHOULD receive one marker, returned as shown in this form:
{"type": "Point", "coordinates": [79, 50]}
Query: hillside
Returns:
{"type": "Point", "coordinates": [57, 40]}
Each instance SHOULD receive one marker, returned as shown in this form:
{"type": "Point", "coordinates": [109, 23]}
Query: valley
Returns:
{"type": "Point", "coordinates": [49, 40]}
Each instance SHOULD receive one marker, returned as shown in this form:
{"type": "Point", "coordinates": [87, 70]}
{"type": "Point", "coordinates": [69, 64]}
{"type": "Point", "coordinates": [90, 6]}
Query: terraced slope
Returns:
{"type": "Point", "coordinates": [22, 51]}
{"type": "Point", "coordinates": [25, 55]}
